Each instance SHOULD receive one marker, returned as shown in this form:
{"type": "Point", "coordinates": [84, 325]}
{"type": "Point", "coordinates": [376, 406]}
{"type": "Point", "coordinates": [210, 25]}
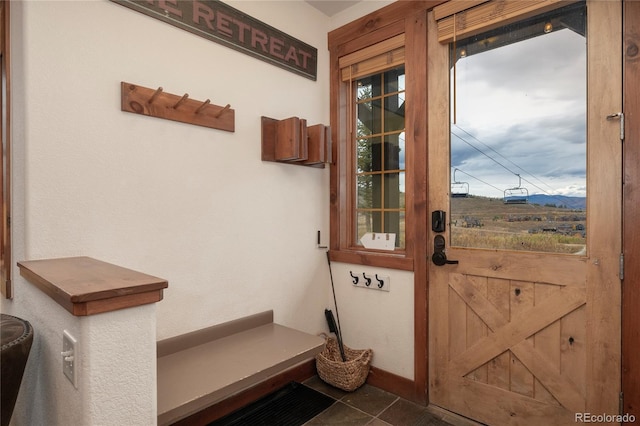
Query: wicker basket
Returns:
{"type": "Point", "coordinates": [347, 375]}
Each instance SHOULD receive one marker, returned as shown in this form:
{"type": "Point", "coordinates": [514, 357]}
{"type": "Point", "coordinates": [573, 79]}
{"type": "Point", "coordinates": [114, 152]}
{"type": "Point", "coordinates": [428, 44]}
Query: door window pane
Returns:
{"type": "Point", "coordinates": [518, 136]}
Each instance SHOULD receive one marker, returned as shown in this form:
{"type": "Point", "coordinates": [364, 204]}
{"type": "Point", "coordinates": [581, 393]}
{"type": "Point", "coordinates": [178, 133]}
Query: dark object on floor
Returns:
{"type": "Point", "coordinates": [293, 405]}
{"type": "Point", "coordinates": [17, 337]}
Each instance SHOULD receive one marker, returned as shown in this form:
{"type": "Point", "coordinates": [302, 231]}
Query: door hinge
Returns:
{"type": "Point", "coordinates": [619, 115]}
{"type": "Point", "coordinates": [621, 405]}
{"type": "Point", "coordinates": [621, 266]}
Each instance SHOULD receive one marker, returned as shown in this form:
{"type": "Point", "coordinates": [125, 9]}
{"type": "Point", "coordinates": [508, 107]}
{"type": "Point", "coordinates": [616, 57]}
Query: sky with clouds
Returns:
{"type": "Point", "coordinates": [523, 105]}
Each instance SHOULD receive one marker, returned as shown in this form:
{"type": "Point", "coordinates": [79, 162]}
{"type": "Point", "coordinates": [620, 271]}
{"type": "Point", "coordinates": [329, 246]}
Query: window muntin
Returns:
{"type": "Point", "coordinates": [379, 155]}
{"type": "Point", "coordinates": [518, 135]}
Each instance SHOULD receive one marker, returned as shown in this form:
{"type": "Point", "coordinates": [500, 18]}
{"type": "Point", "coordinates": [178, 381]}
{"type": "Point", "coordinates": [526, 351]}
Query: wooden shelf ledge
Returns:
{"type": "Point", "coordinates": [86, 286]}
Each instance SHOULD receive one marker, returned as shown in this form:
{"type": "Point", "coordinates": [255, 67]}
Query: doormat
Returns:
{"type": "Point", "coordinates": [293, 405]}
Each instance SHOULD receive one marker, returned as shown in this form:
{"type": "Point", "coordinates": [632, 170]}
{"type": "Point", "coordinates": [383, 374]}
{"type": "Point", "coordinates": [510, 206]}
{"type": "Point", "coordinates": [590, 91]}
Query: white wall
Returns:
{"type": "Point", "coordinates": [382, 321]}
{"type": "Point", "coordinates": [196, 206]}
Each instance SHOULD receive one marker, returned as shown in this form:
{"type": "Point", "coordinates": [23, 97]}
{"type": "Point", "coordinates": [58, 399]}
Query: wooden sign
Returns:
{"type": "Point", "coordinates": [218, 22]}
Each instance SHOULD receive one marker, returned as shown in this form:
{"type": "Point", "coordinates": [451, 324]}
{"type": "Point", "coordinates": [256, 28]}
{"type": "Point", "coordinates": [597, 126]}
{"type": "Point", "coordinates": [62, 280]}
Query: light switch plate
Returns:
{"type": "Point", "coordinates": [69, 357]}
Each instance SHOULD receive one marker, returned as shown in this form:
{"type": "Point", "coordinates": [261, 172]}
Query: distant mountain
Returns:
{"type": "Point", "coordinates": [576, 203]}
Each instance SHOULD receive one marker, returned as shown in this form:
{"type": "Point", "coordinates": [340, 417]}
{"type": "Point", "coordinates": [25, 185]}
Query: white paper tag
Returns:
{"type": "Point", "coordinates": [380, 241]}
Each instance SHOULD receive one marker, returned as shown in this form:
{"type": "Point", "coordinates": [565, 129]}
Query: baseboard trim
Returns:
{"type": "Point", "coordinates": [398, 385]}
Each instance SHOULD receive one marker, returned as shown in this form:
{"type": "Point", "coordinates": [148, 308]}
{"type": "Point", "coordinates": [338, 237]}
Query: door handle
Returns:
{"type": "Point", "coordinates": [439, 258]}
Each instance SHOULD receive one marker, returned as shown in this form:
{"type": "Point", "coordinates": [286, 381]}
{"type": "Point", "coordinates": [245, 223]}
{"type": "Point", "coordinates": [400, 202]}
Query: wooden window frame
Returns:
{"type": "Point", "coordinates": [401, 18]}
{"type": "Point", "coordinates": [5, 163]}
{"type": "Point", "coordinates": [410, 18]}
{"type": "Point", "coordinates": [461, 19]}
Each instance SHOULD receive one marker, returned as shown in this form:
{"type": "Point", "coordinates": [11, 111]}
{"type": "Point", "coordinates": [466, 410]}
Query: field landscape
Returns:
{"type": "Point", "coordinates": [483, 222]}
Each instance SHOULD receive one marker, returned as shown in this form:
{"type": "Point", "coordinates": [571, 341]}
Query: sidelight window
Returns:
{"type": "Point", "coordinates": [379, 156]}
{"type": "Point", "coordinates": [372, 209]}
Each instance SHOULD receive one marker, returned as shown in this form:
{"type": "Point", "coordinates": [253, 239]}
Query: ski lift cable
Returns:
{"type": "Point", "coordinates": [501, 191]}
{"type": "Point", "coordinates": [552, 196]}
{"type": "Point", "coordinates": [493, 159]}
{"type": "Point", "coordinates": [510, 161]}
{"type": "Point", "coordinates": [518, 166]}
{"type": "Point", "coordinates": [506, 168]}
{"type": "Point", "coordinates": [483, 153]}
{"type": "Point", "coordinates": [480, 180]}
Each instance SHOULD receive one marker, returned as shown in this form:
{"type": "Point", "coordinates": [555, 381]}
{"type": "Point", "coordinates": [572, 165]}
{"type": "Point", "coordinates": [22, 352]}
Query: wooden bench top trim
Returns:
{"type": "Point", "coordinates": [86, 286]}
{"type": "Point", "coordinates": [193, 379]}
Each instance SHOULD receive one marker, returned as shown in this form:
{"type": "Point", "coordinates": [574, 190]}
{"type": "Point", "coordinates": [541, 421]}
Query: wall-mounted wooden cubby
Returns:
{"type": "Point", "coordinates": [292, 141]}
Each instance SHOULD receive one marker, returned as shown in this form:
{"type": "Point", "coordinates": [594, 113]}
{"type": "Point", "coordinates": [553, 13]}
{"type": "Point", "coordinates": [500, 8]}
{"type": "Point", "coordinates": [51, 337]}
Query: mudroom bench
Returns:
{"type": "Point", "coordinates": [200, 369]}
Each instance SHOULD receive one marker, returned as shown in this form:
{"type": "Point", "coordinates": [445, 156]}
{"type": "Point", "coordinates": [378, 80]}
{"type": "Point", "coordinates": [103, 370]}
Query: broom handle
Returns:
{"type": "Point", "coordinates": [339, 333]}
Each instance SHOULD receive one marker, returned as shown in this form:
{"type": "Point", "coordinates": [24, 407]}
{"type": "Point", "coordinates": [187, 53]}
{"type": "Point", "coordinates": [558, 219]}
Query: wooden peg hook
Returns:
{"type": "Point", "coordinates": [223, 110]}
{"type": "Point", "coordinates": [203, 106]}
{"type": "Point", "coordinates": [184, 98]}
{"type": "Point", "coordinates": [154, 96]}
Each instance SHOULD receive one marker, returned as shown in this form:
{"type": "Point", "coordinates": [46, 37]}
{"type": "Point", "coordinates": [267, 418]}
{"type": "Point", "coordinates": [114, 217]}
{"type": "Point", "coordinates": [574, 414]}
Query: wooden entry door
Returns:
{"type": "Point", "coordinates": [528, 337]}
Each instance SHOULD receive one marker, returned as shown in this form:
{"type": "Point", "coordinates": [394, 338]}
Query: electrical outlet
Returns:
{"type": "Point", "coordinates": [69, 357]}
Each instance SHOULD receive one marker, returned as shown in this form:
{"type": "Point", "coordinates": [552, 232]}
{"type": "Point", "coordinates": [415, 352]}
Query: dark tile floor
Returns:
{"type": "Point", "coordinates": [371, 406]}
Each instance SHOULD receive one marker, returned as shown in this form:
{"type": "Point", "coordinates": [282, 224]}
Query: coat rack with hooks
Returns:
{"type": "Point", "coordinates": [157, 103]}
{"type": "Point", "coordinates": [292, 141]}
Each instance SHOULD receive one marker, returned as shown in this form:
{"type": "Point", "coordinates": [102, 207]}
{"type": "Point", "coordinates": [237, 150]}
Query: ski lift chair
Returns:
{"type": "Point", "coordinates": [517, 195]}
{"type": "Point", "coordinates": [459, 189]}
